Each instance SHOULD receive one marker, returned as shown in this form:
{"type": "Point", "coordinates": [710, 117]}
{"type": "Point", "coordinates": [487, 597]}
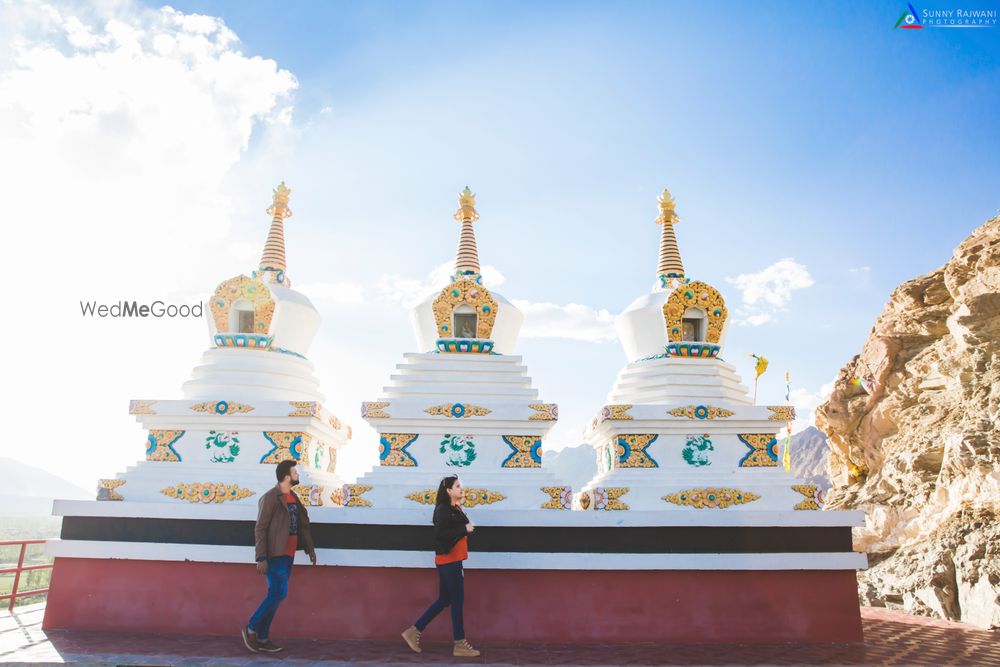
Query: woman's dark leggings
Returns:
{"type": "Point", "coordinates": [452, 592]}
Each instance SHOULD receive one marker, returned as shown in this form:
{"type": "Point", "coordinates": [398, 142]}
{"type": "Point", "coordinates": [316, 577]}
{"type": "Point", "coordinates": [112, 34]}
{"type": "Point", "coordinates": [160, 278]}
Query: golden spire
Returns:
{"type": "Point", "coordinates": [467, 259]}
{"type": "Point", "coordinates": [670, 256]}
{"type": "Point", "coordinates": [273, 258]}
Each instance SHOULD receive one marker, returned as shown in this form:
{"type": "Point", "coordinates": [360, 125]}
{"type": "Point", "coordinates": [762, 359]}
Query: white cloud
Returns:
{"type": "Point", "coordinates": [572, 321]}
{"type": "Point", "coordinates": [768, 291]}
{"type": "Point", "coordinates": [806, 402]}
{"type": "Point", "coordinates": [119, 125]}
{"type": "Point", "coordinates": [408, 292]}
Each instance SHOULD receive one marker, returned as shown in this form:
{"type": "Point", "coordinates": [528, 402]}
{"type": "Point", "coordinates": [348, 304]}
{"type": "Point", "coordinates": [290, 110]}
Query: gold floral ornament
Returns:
{"type": "Point", "coordinates": [763, 450]}
{"type": "Point", "coordinates": [711, 498]}
{"type": "Point", "coordinates": [813, 498]}
{"type": "Point", "coordinates": [160, 445]}
{"type": "Point", "coordinates": [604, 498]}
{"type": "Point", "coordinates": [107, 489]}
{"type": "Point", "coordinates": [309, 495]}
{"type": "Point", "coordinates": [286, 445]}
{"type": "Point", "coordinates": [222, 407]}
{"type": "Point", "coordinates": [473, 497]}
{"type": "Point", "coordinates": [527, 451]}
{"type": "Point", "coordinates": [701, 412]}
{"type": "Point", "coordinates": [698, 295]}
{"type": "Point", "coordinates": [782, 413]}
{"type": "Point", "coordinates": [630, 450]}
{"type": "Point", "coordinates": [544, 412]}
{"type": "Point", "coordinates": [304, 409]}
{"type": "Point", "coordinates": [560, 497]}
{"type": "Point", "coordinates": [351, 495]}
{"type": "Point", "coordinates": [255, 292]}
{"type": "Point", "coordinates": [141, 407]}
{"type": "Point", "coordinates": [374, 410]}
{"type": "Point", "coordinates": [392, 450]}
{"type": "Point", "coordinates": [457, 410]}
{"type": "Point", "coordinates": [470, 293]}
{"type": "Point", "coordinates": [615, 412]}
{"type": "Point", "coordinates": [206, 492]}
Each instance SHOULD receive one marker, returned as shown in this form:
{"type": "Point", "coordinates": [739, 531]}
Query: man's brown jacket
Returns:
{"type": "Point", "coordinates": [273, 524]}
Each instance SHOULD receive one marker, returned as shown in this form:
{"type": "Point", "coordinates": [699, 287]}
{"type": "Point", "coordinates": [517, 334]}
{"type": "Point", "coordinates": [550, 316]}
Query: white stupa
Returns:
{"type": "Point", "coordinates": [463, 404]}
{"type": "Point", "coordinates": [680, 430]}
{"type": "Point", "coordinates": [253, 399]}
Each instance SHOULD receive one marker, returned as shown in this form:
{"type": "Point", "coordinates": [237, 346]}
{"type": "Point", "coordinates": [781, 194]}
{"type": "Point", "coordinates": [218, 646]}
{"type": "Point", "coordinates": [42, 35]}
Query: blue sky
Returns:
{"type": "Point", "coordinates": [807, 131]}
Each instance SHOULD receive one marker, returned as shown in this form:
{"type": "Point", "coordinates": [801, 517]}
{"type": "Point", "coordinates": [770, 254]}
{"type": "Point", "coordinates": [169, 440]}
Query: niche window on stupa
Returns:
{"type": "Point", "coordinates": [464, 322]}
{"type": "Point", "coordinates": [692, 328]}
{"type": "Point", "coordinates": [244, 318]}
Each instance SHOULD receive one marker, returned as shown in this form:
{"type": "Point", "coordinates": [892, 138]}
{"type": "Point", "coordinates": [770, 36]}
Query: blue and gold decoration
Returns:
{"type": "Point", "coordinates": [457, 410]}
{"type": "Point", "coordinates": [473, 497]}
{"type": "Point", "coordinates": [285, 445]}
{"type": "Point", "coordinates": [763, 450]}
{"type": "Point", "coordinates": [392, 449]}
{"type": "Point", "coordinates": [242, 288]}
{"type": "Point", "coordinates": [701, 412]}
{"type": "Point", "coordinates": [160, 445]}
{"type": "Point", "coordinates": [631, 451]}
{"type": "Point", "coordinates": [698, 295]}
{"type": "Point", "coordinates": [470, 293]}
{"type": "Point", "coordinates": [206, 492]}
{"type": "Point", "coordinates": [222, 407]}
{"type": "Point", "coordinates": [711, 498]}
{"type": "Point", "coordinates": [465, 345]}
{"type": "Point", "coordinates": [527, 451]}
{"type": "Point", "coordinates": [692, 350]}
{"type": "Point", "coordinates": [251, 341]}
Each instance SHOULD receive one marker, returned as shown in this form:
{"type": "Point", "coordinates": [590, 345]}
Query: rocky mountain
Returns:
{"type": "Point", "coordinates": [811, 457]}
{"type": "Point", "coordinates": [914, 429]}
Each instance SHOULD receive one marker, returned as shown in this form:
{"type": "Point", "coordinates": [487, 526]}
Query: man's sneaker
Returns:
{"type": "Point", "coordinates": [250, 640]}
{"type": "Point", "coordinates": [412, 637]}
{"type": "Point", "coordinates": [267, 646]}
{"type": "Point", "coordinates": [464, 649]}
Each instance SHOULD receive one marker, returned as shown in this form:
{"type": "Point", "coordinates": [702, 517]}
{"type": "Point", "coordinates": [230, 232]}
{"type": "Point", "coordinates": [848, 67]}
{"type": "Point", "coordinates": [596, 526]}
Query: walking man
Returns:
{"type": "Point", "coordinates": [282, 529]}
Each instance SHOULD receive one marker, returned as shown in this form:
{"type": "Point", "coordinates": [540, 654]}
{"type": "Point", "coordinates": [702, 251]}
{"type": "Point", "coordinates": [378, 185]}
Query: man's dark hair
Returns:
{"type": "Point", "coordinates": [284, 469]}
{"type": "Point", "coordinates": [442, 495]}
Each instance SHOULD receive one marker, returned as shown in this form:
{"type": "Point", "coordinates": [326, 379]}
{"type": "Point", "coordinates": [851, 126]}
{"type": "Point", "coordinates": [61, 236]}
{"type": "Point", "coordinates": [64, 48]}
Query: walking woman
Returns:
{"type": "Point", "coordinates": [451, 547]}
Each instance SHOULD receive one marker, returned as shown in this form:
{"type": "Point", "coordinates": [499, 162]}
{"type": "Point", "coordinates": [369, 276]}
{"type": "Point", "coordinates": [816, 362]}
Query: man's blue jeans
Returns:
{"type": "Point", "coordinates": [278, 571]}
{"type": "Point", "coordinates": [451, 592]}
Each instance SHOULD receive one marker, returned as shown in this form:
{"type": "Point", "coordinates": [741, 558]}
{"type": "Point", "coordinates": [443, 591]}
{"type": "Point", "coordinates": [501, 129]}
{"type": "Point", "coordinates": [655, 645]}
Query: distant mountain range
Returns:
{"type": "Point", "coordinates": [29, 491]}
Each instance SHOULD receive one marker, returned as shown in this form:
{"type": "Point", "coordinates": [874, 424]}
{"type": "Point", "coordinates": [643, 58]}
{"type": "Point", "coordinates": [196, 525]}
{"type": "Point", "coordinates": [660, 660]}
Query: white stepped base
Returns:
{"type": "Point", "coordinates": [673, 381]}
{"type": "Point", "coordinates": [242, 374]}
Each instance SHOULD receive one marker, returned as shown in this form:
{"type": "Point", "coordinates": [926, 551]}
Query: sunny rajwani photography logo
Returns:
{"type": "Point", "coordinates": [911, 19]}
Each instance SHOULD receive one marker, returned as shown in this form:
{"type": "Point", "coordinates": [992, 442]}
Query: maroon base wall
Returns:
{"type": "Point", "coordinates": [542, 606]}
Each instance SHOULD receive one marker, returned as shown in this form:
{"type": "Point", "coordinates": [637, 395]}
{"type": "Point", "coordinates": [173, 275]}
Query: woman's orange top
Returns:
{"type": "Point", "coordinates": [458, 552]}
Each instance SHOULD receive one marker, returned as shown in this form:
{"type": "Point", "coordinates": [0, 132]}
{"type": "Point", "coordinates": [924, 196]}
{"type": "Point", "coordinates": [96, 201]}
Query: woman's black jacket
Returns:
{"type": "Point", "coordinates": [449, 527]}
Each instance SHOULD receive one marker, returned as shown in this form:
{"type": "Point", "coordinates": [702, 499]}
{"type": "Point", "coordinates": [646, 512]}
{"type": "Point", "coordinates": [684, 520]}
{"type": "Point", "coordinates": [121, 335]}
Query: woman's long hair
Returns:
{"type": "Point", "coordinates": [442, 495]}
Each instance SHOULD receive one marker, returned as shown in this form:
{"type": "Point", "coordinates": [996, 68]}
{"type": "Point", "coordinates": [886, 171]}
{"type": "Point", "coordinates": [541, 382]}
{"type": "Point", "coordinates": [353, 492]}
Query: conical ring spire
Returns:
{"type": "Point", "coordinates": [670, 256]}
{"type": "Point", "coordinates": [273, 257]}
{"type": "Point", "coordinates": [467, 257]}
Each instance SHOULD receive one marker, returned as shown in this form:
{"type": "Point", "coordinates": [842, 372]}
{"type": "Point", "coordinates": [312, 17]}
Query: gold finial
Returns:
{"type": "Point", "coordinates": [667, 212]}
{"type": "Point", "coordinates": [279, 206]}
{"type": "Point", "coordinates": [466, 206]}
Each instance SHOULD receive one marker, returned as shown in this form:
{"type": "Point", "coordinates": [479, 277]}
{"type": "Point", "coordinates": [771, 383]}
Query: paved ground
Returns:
{"type": "Point", "coordinates": [890, 639]}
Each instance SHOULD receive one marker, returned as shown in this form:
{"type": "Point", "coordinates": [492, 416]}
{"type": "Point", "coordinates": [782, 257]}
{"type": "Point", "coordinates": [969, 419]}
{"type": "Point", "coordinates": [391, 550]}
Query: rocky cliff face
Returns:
{"type": "Point", "coordinates": [914, 430]}
{"type": "Point", "coordinates": [811, 457]}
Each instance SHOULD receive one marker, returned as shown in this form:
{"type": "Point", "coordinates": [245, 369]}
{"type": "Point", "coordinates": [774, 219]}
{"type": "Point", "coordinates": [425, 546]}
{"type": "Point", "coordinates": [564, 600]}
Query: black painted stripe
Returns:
{"type": "Point", "coordinates": [533, 539]}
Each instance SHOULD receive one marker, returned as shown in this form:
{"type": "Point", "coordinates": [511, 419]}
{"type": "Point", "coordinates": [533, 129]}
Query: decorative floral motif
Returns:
{"type": "Point", "coordinates": [473, 497]}
{"type": "Point", "coordinates": [304, 409]}
{"type": "Point", "coordinates": [351, 495]}
{"type": "Point", "coordinates": [631, 451]}
{"type": "Point", "coordinates": [141, 407]}
{"type": "Point", "coordinates": [696, 450]}
{"type": "Point", "coordinates": [160, 445]}
{"type": "Point", "coordinates": [607, 497]}
{"type": "Point", "coordinates": [457, 410]}
{"type": "Point", "coordinates": [763, 450]}
{"type": "Point", "coordinates": [331, 463]}
{"type": "Point", "coordinates": [250, 341]}
{"type": "Point", "coordinates": [561, 498]}
{"type": "Point", "coordinates": [465, 345]}
{"type": "Point", "coordinates": [609, 412]}
{"type": "Point", "coordinates": [470, 293]}
{"type": "Point", "coordinates": [309, 495]}
{"type": "Point", "coordinates": [527, 451]}
{"type": "Point", "coordinates": [222, 407]}
{"type": "Point", "coordinates": [711, 498]}
{"type": "Point", "coordinates": [544, 412]}
{"type": "Point", "coordinates": [692, 350]}
{"type": "Point", "coordinates": [107, 489]}
{"type": "Point", "coordinates": [813, 497]}
{"type": "Point", "coordinates": [701, 412]}
{"type": "Point", "coordinates": [206, 492]}
{"type": "Point", "coordinates": [699, 295]}
{"type": "Point", "coordinates": [460, 449]}
{"type": "Point", "coordinates": [373, 410]}
{"type": "Point", "coordinates": [242, 288]}
{"type": "Point", "coordinates": [229, 443]}
{"type": "Point", "coordinates": [285, 445]}
{"type": "Point", "coordinates": [335, 423]}
{"type": "Point", "coordinates": [392, 449]}
{"type": "Point", "coordinates": [782, 413]}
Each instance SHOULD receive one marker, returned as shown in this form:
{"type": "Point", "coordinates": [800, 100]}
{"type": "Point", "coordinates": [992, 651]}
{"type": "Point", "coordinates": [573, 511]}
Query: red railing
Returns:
{"type": "Point", "coordinates": [21, 567]}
